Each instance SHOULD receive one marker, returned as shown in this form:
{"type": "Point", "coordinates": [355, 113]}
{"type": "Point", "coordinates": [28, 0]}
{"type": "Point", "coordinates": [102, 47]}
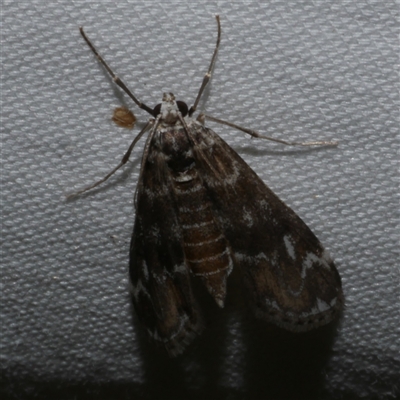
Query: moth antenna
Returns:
{"type": "Point", "coordinates": [258, 135]}
{"type": "Point", "coordinates": [116, 79]}
{"type": "Point", "coordinates": [207, 76]}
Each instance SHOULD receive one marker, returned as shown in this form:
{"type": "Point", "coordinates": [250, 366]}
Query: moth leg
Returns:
{"type": "Point", "coordinates": [116, 79]}
{"type": "Point", "coordinates": [124, 160]}
{"type": "Point", "coordinates": [207, 76]}
{"type": "Point", "coordinates": [258, 135]}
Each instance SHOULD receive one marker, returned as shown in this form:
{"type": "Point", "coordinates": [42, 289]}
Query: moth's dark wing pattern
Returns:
{"type": "Point", "coordinates": [161, 289]}
{"type": "Point", "coordinates": [291, 279]}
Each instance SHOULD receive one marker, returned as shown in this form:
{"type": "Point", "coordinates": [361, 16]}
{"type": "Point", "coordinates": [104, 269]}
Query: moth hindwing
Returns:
{"type": "Point", "coordinates": [200, 212]}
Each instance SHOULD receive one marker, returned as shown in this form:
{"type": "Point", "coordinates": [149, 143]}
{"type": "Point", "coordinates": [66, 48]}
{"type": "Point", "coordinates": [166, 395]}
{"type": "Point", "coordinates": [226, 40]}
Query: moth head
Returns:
{"type": "Point", "coordinates": [169, 109]}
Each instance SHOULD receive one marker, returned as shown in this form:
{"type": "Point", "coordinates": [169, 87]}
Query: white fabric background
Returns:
{"type": "Point", "coordinates": [296, 70]}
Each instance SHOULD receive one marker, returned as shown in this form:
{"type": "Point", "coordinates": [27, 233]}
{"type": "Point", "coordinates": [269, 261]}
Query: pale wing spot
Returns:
{"type": "Point", "coordinates": [311, 258]}
{"type": "Point", "coordinates": [230, 265]}
{"type": "Point", "coordinates": [272, 304]}
{"type": "Point", "coordinates": [145, 270]}
{"type": "Point", "coordinates": [322, 305]}
{"type": "Point", "coordinates": [264, 205]}
{"type": "Point", "coordinates": [180, 269]}
{"type": "Point", "coordinates": [289, 246]}
{"type": "Point", "coordinates": [162, 190]}
{"type": "Point", "coordinates": [244, 257]}
{"type": "Point", "coordinates": [275, 222]}
{"type": "Point", "coordinates": [139, 288]}
{"type": "Point", "coordinates": [160, 278]}
{"type": "Point", "coordinates": [189, 153]}
{"type": "Point", "coordinates": [312, 312]}
{"type": "Point", "coordinates": [247, 218]}
{"type": "Point", "coordinates": [327, 258]}
{"type": "Point", "coordinates": [273, 260]}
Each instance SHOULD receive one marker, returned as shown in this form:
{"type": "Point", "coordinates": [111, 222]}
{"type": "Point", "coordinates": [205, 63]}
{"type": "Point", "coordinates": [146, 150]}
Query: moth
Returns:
{"type": "Point", "coordinates": [202, 211]}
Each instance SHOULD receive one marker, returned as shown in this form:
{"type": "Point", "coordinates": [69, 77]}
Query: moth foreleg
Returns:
{"type": "Point", "coordinates": [124, 160]}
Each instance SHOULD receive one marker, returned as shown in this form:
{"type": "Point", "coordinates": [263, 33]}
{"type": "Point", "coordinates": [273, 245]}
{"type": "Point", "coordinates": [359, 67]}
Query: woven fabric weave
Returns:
{"type": "Point", "coordinates": [309, 70]}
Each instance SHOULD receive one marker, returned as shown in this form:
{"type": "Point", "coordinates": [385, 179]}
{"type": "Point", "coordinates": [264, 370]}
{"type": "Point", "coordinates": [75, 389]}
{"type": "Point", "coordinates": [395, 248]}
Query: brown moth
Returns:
{"type": "Point", "coordinates": [202, 211]}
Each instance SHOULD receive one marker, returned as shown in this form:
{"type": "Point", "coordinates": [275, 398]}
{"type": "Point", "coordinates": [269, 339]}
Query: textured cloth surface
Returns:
{"type": "Point", "coordinates": [295, 70]}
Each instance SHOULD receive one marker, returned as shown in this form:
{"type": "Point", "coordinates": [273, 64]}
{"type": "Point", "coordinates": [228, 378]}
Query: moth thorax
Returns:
{"type": "Point", "coordinates": [169, 109]}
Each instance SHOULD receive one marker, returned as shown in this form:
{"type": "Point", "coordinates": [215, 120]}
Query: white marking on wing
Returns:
{"type": "Point", "coordinates": [145, 271]}
{"type": "Point", "coordinates": [244, 257]}
{"type": "Point", "coordinates": [289, 246]}
{"type": "Point", "coordinates": [247, 218]}
{"type": "Point", "coordinates": [326, 256]}
{"type": "Point", "coordinates": [162, 190]}
{"type": "Point", "coordinates": [322, 305]}
{"type": "Point", "coordinates": [139, 288]}
{"type": "Point", "coordinates": [180, 269]}
{"type": "Point", "coordinates": [264, 205]}
{"type": "Point", "coordinates": [272, 304]}
{"type": "Point", "coordinates": [311, 258]}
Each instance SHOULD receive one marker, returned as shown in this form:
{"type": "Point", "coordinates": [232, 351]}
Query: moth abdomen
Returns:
{"type": "Point", "coordinates": [207, 251]}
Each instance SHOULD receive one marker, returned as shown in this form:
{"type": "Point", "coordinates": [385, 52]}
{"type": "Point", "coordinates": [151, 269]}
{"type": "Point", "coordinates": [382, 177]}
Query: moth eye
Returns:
{"type": "Point", "coordinates": [183, 108]}
{"type": "Point", "coordinates": [156, 110]}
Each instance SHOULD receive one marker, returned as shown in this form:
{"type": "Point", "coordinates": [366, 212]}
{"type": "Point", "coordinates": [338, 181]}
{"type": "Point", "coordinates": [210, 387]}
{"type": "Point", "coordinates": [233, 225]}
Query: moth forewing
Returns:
{"type": "Point", "coordinates": [291, 279]}
{"type": "Point", "coordinates": [200, 212]}
{"type": "Point", "coordinates": [161, 290]}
